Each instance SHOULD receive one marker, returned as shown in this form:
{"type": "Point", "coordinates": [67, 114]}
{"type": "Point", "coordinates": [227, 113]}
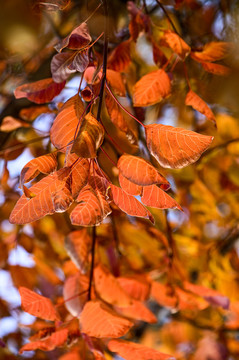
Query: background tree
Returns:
{"type": "Point", "coordinates": [123, 111]}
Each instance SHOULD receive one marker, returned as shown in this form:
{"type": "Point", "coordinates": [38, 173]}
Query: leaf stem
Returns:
{"type": "Point", "coordinates": [167, 16]}
{"type": "Point", "coordinates": [92, 261]}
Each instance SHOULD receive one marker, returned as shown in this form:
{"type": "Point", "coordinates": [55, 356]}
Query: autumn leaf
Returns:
{"type": "Point", "coordinates": [176, 43]}
{"type": "Point", "coordinates": [40, 92]}
{"type": "Point", "coordinates": [32, 112]}
{"type": "Point", "coordinates": [89, 138]}
{"type": "Point", "coordinates": [175, 147]}
{"type": "Point", "coordinates": [198, 104]}
{"type": "Point", "coordinates": [137, 311]}
{"type": "Point", "coordinates": [26, 211]}
{"type": "Point", "coordinates": [140, 171]}
{"type": "Point", "coordinates": [99, 321]}
{"type": "Point", "coordinates": [155, 197]}
{"type": "Point", "coordinates": [120, 58]}
{"type": "Point", "coordinates": [79, 172]}
{"type": "Point", "coordinates": [129, 187]}
{"type": "Point", "coordinates": [77, 245]}
{"type": "Point", "coordinates": [78, 39]}
{"type": "Point", "coordinates": [109, 289]}
{"type": "Point", "coordinates": [38, 305]}
{"type": "Point", "coordinates": [115, 81]}
{"type": "Point", "coordinates": [151, 88]}
{"type": "Point", "coordinates": [216, 69]}
{"type": "Point", "coordinates": [44, 164]}
{"type": "Point", "coordinates": [60, 63]}
{"type": "Point", "coordinates": [65, 124]}
{"type": "Point", "coordinates": [75, 293]}
{"type": "Point", "coordinates": [52, 5]}
{"type": "Point", "coordinates": [129, 204]}
{"type": "Point", "coordinates": [213, 51]}
{"type": "Point", "coordinates": [136, 287]}
{"type": "Point", "coordinates": [80, 61]}
{"type": "Point", "coordinates": [10, 123]}
{"type": "Point", "coordinates": [131, 351]}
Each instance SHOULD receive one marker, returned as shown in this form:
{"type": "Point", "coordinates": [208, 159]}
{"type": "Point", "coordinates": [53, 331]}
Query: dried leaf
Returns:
{"type": "Point", "coordinates": [78, 39]}
{"type": "Point", "coordinates": [38, 305]}
{"type": "Point", "coordinates": [216, 69]}
{"type": "Point", "coordinates": [78, 244]}
{"type": "Point", "coordinates": [40, 92]}
{"type": "Point", "coordinates": [115, 81]}
{"type": "Point", "coordinates": [155, 197]}
{"type": "Point", "coordinates": [212, 51]}
{"type": "Point", "coordinates": [152, 88]}
{"type": "Point", "coordinates": [10, 123]}
{"type": "Point", "coordinates": [175, 147]}
{"type": "Point", "coordinates": [60, 63]}
{"type": "Point", "coordinates": [198, 104]}
{"type": "Point", "coordinates": [79, 173]}
{"type": "Point", "coordinates": [176, 43]}
{"type": "Point", "coordinates": [120, 58]}
{"type": "Point", "coordinates": [80, 61]}
{"type": "Point", "coordinates": [100, 321]}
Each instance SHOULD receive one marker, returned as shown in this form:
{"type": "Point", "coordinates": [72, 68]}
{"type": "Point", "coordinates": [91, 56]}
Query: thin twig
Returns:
{"type": "Point", "coordinates": [167, 16]}
{"type": "Point", "coordinates": [92, 261]}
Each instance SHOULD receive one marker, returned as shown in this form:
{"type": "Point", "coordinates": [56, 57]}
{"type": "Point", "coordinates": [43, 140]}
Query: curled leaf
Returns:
{"type": "Point", "coordinates": [213, 51]}
{"type": "Point", "coordinates": [78, 39]}
{"type": "Point", "coordinates": [78, 245]}
{"type": "Point", "coordinates": [10, 123]}
{"type": "Point", "coordinates": [198, 104]}
{"type": "Point", "coordinates": [60, 63]}
{"type": "Point", "coordinates": [176, 43]}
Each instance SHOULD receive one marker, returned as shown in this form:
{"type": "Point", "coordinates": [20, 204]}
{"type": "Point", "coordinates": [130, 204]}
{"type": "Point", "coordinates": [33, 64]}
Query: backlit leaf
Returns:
{"type": "Point", "coordinates": [37, 305]}
{"type": "Point", "coordinates": [176, 43]}
{"type": "Point", "coordinates": [75, 293]}
{"type": "Point", "coordinates": [155, 197]}
{"type": "Point", "coordinates": [78, 39]}
{"type": "Point", "coordinates": [40, 92]}
{"type": "Point", "coordinates": [175, 147]}
{"type": "Point", "coordinates": [132, 351]}
{"type": "Point", "coordinates": [129, 204]}
{"type": "Point", "coordinates": [140, 171]}
{"type": "Point", "coordinates": [26, 211]}
{"type": "Point", "coordinates": [80, 61]}
{"type": "Point", "coordinates": [109, 289]}
{"type": "Point", "coordinates": [60, 66]}
{"type": "Point", "coordinates": [44, 164]}
{"type": "Point", "coordinates": [78, 244]}
{"type": "Point", "coordinates": [120, 58]}
{"type": "Point", "coordinates": [164, 294]}
{"type": "Point", "coordinates": [129, 187]}
{"type": "Point", "coordinates": [79, 173]}
{"type": "Point", "coordinates": [198, 104]}
{"type": "Point", "coordinates": [216, 69]}
{"type": "Point", "coordinates": [115, 81]}
{"type": "Point", "coordinates": [100, 321]}
{"type": "Point", "coordinates": [138, 288]}
{"type": "Point", "coordinates": [137, 311]}
{"type": "Point", "coordinates": [10, 123]}
{"type": "Point", "coordinates": [151, 88]}
{"type": "Point", "coordinates": [65, 124]}
{"type": "Point", "coordinates": [212, 51]}
{"type": "Point", "coordinates": [89, 139]}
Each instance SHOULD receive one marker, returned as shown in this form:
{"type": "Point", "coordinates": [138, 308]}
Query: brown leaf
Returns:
{"type": "Point", "coordinates": [89, 138]}
{"type": "Point", "coordinates": [78, 244]}
{"type": "Point", "coordinates": [212, 51]}
{"type": "Point", "coordinates": [176, 43]}
{"type": "Point", "coordinates": [78, 39]}
{"type": "Point", "coordinates": [132, 351]}
{"type": "Point", "coordinates": [65, 124]}
{"type": "Point", "coordinates": [140, 171]}
{"type": "Point", "coordinates": [175, 147]}
{"type": "Point", "coordinates": [100, 321]}
{"type": "Point", "coordinates": [38, 305]}
{"type": "Point", "coordinates": [80, 61]}
{"type": "Point", "coordinates": [79, 173]}
{"type": "Point", "coordinates": [198, 104]}
{"type": "Point", "coordinates": [10, 123]}
{"type": "Point", "coordinates": [120, 58]}
{"type": "Point", "coordinates": [155, 197]}
{"type": "Point", "coordinates": [151, 88]}
{"type": "Point", "coordinates": [40, 92]}
{"type": "Point", "coordinates": [44, 164]}
{"type": "Point", "coordinates": [60, 69]}
{"type": "Point", "coordinates": [129, 187]}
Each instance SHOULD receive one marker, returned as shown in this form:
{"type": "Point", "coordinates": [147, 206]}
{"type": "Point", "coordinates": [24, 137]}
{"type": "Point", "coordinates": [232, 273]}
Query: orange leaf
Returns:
{"type": "Point", "coordinates": [155, 197]}
{"type": "Point", "coordinates": [89, 138]}
{"type": "Point", "coordinates": [79, 173]}
{"type": "Point", "coordinates": [216, 69]}
{"type": "Point", "coordinates": [115, 81]}
{"type": "Point", "coordinates": [140, 171]}
{"type": "Point", "coordinates": [56, 339]}
{"type": "Point", "coordinates": [118, 119]}
{"type": "Point", "coordinates": [78, 39]}
{"type": "Point", "coordinates": [26, 211]}
{"type": "Point", "coordinates": [44, 164]}
{"type": "Point", "coordinates": [40, 92]}
{"type": "Point", "coordinates": [212, 51]}
{"type": "Point", "coordinates": [151, 88]}
{"type": "Point", "coordinates": [89, 211]}
{"type": "Point", "coordinates": [176, 43]}
{"type": "Point", "coordinates": [198, 104]}
{"type": "Point", "coordinates": [109, 289]}
{"type": "Point", "coordinates": [175, 147]}
{"type": "Point", "coordinates": [99, 321]}
{"type": "Point", "coordinates": [78, 244]}
{"type": "Point", "coordinates": [75, 293]}
{"type": "Point", "coordinates": [164, 294]}
{"type": "Point", "coordinates": [120, 59]}
{"type": "Point", "coordinates": [131, 351]}
{"type": "Point", "coordinates": [137, 311]}
{"type": "Point", "coordinates": [129, 187]}
{"type": "Point", "coordinates": [10, 123]}
{"type": "Point", "coordinates": [32, 112]}
{"type": "Point", "coordinates": [38, 305]}
{"type": "Point", "coordinates": [129, 204]}
{"type": "Point", "coordinates": [65, 124]}
{"type": "Point", "coordinates": [136, 287]}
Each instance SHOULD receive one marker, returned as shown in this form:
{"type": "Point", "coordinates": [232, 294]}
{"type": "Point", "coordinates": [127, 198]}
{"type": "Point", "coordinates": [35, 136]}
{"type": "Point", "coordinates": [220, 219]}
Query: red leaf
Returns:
{"type": "Point", "coordinates": [175, 147]}
{"type": "Point", "coordinates": [79, 173]}
{"type": "Point", "coordinates": [109, 289]}
{"type": "Point", "coordinates": [129, 204]}
{"type": "Point", "coordinates": [151, 88]}
{"type": "Point", "coordinates": [80, 61]}
{"type": "Point", "coordinates": [212, 51]}
{"type": "Point", "coordinates": [78, 39]}
{"type": "Point", "coordinates": [89, 138]}
{"type": "Point", "coordinates": [99, 321]}
{"type": "Point", "coordinates": [65, 124]}
{"type": "Point", "coordinates": [38, 305]}
{"type": "Point", "coordinates": [216, 69]}
{"type": "Point", "coordinates": [132, 351]}
{"type": "Point", "coordinates": [129, 187]}
{"type": "Point", "coordinates": [40, 92]}
{"type": "Point", "coordinates": [56, 339]}
{"type": "Point", "coordinates": [26, 211]}
{"type": "Point", "coordinates": [176, 43]}
{"type": "Point", "coordinates": [78, 244]}
{"type": "Point", "coordinates": [60, 66]}
{"type": "Point", "coordinates": [155, 197]}
{"type": "Point", "coordinates": [75, 293]}
{"type": "Point", "coordinates": [44, 164]}
{"type": "Point", "coordinates": [140, 171]}
{"type": "Point", "coordinates": [137, 288]}
{"type": "Point", "coordinates": [137, 311]}
{"type": "Point", "coordinates": [120, 58]}
{"type": "Point", "coordinates": [198, 104]}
